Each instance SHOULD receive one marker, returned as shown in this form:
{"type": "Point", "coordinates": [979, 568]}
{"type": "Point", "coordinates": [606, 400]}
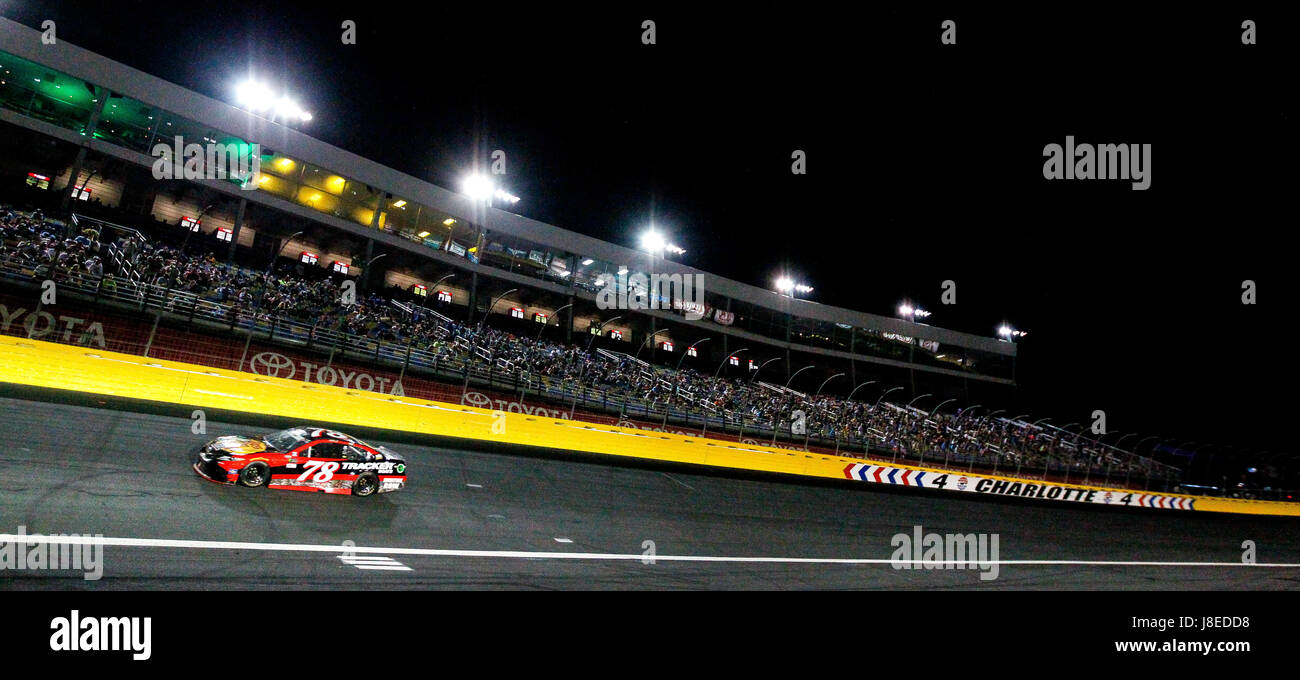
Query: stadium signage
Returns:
{"type": "Point", "coordinates": [936, 479]}
{"type": "Point", "coordinates": [276, 365]}
{"type": "Point", "coordinates": [480, 400]}
{"type": "Point", "coordinates": [42, 325]}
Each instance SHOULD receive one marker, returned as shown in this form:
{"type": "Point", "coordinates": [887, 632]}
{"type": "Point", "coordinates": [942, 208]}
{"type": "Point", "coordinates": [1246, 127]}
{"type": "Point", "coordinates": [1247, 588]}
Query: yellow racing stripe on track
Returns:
{"type": "Point", "coordinates": [41, 364]}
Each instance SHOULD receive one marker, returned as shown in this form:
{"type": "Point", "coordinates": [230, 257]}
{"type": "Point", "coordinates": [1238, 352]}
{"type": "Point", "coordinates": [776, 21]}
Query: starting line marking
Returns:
{"type": "Point", "coordinates": [378, 563]}
{"type": "Point", "coordinates": [526, 554]}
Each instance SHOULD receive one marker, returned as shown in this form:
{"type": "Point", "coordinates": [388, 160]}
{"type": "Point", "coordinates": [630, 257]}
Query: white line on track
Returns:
{"type": "Point", "coordinates": [526, 554]}
{"type": "Point", "coordinates": [379, 563]}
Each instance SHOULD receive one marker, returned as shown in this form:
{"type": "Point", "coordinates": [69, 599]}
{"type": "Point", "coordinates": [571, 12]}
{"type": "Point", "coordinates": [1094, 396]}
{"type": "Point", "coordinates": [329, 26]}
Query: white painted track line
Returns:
{"type": "Point", "coordinates": [524, 554]}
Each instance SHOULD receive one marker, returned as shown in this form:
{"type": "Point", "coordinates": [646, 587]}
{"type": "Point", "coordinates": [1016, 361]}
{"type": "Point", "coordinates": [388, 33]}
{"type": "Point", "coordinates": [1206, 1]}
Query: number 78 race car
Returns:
{"type": "Point", "coordinates": [302, 459]}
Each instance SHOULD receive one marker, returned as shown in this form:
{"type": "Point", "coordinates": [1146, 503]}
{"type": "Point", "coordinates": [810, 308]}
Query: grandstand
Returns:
{"type": "Point", "coordinates": [466, 294]}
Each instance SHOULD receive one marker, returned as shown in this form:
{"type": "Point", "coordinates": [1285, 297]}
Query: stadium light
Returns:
{"type": "Point", "coordinates": [911, 312]}
{"type": "Point", "coordinates": [654, 243]}
{"type": "Point", "coordinates": [913, 401]}
{"type": "Point", "coordinates": [477, 187]}
{"type": "Point", "coordinates": [1010, 334]}
{"type": "Point", "coordinates": [257, 97]}
{"type": "Point", "coordinates": [789, 286]}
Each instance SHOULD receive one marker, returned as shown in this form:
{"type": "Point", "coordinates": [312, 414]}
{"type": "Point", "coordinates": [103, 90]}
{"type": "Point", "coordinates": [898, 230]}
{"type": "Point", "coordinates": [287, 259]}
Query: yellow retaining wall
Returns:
{"type": "Point", "coordinates": [48, 365]}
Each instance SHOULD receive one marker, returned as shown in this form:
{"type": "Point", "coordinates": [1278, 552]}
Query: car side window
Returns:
{"type": "Point", "coordinates": [352, 453]}
{"type": "Point", "coordinates": [326, 450]}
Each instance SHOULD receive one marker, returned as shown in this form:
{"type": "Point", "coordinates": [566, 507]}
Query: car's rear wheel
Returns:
{"type": "Point", "coordinates": [365, 485]}
{"type": "Point", "coordinates": [255, 475]}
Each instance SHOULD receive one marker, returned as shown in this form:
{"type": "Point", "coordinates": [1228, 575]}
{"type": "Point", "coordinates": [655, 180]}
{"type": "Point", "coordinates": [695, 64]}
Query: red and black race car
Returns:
{"type": "Point", "coordinates": [302, 459]}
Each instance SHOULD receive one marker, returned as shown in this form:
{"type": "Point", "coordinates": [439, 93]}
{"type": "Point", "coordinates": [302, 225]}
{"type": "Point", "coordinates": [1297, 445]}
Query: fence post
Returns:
{"type": "Point", "coordinates": [405, 363]}
{"type": "Point", "coordinates": [247, 342]}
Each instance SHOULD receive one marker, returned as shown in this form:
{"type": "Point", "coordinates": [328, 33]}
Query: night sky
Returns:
{"type": "Point", "coordinates": [924, 161]}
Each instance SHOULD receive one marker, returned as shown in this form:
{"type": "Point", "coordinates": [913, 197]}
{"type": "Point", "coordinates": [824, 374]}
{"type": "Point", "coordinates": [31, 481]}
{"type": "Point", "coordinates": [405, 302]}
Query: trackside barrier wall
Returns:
{"type": "Point", "coordinates": [40, 364]}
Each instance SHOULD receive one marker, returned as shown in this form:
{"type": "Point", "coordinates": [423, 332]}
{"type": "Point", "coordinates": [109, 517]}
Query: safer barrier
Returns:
{"type": "Point", "coordinates": [47, 365]}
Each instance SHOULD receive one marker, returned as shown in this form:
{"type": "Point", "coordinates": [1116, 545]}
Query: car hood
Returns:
{"type": "Point", "coordinates": [391, 455]}
{"type": "Point", "coordinates": [237, 446]}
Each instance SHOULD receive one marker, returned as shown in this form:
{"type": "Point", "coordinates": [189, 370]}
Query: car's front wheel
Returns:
{"type": "Point", "coordinates": [255, 475]}
{"type": "Point", "coordinates": [365, 485]}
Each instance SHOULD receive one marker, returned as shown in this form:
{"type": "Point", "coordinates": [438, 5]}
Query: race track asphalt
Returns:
{"type": "Point", "coordinates": [69, 469]}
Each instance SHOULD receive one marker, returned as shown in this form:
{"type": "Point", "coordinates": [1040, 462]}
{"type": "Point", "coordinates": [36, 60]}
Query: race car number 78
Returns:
{"type": "Point", "coordinates": [324, 470]}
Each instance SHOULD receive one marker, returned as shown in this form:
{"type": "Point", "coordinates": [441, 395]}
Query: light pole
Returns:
{"type": "Point", "coordinates": [284, 245]}
{"type": "Point", "coordinates": [849, 399]}
{"type": "Point", "coordinates": [787, 386]}
{"type": "Point", "coordinates": [697, 343]}
{"type": "Point", "coordinates": [787, 383]}
{"type": "Point", "coordinates": [556, 314]}
{"type": "Point", "coordinates": [760, 367]}
{"type": "Point", "coordinates": [726, 359]}
{"type": "Point", "coordinates": [188, 232]}
{"type": "Point", "coordinates": [1001, 410]}
{"type": "Point", "coordinates": [599, 328]}
{"type": "Point", "coordinates": [909, 404]}
{"type": "Point", "coordinates": [882, 396]}
{"type": "Point", "coordinates": [858, 387]}
{"type": "Point", "coordinates": [807, 432]}
{"type": "Point", "coordinates": [491, 306]}
{"type": "Point", "coordinates": [647, 341]}
{"type": "Point", "coordinates": [936, 409]}
{"type": "Point", "coordinates": [365, 273]}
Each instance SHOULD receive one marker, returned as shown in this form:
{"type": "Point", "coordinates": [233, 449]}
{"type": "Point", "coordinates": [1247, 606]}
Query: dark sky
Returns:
{"type": "Point", "coordinates": [924, 161]}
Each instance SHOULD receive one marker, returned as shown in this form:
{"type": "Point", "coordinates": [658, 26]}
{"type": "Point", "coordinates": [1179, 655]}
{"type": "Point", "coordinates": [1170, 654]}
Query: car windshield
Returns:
{"type": "Point", "coordinates": [285, 440]}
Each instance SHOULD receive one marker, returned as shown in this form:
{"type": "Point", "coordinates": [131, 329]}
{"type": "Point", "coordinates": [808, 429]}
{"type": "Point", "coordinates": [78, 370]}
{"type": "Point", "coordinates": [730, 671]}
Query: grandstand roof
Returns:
{"type": "Point", "coordinates": [66, 58]}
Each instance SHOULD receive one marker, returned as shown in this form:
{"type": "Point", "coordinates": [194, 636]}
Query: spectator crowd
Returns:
{"type": "Point", "coordinates": [54, 249]}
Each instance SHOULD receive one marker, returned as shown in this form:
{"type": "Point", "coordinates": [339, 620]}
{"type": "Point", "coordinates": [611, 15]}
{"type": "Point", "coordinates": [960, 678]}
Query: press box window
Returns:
{"type": "Point", "coordinates": [539, 318]}
{"type": "Point", "coordinates": [516, 313]}
{"type": "Point", "coordinates": [667, 346]}
{"type": "Point", "coordinates": [309, 258]}
{"type": "Point", "coordinates": [444, 296]}
{"type": "Point", "coordinates": [224, 234]}
{"type": "Point", "coordinates": [340, 267]}
{"type": "Point", "coordinates": [190, 224]}
{"type": "Point", "coordinates": [420, 290]}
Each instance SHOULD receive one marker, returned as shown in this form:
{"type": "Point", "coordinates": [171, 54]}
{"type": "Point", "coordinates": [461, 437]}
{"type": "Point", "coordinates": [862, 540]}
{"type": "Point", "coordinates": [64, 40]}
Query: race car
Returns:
{"type": "Point", "coordinates": [302, 459]}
